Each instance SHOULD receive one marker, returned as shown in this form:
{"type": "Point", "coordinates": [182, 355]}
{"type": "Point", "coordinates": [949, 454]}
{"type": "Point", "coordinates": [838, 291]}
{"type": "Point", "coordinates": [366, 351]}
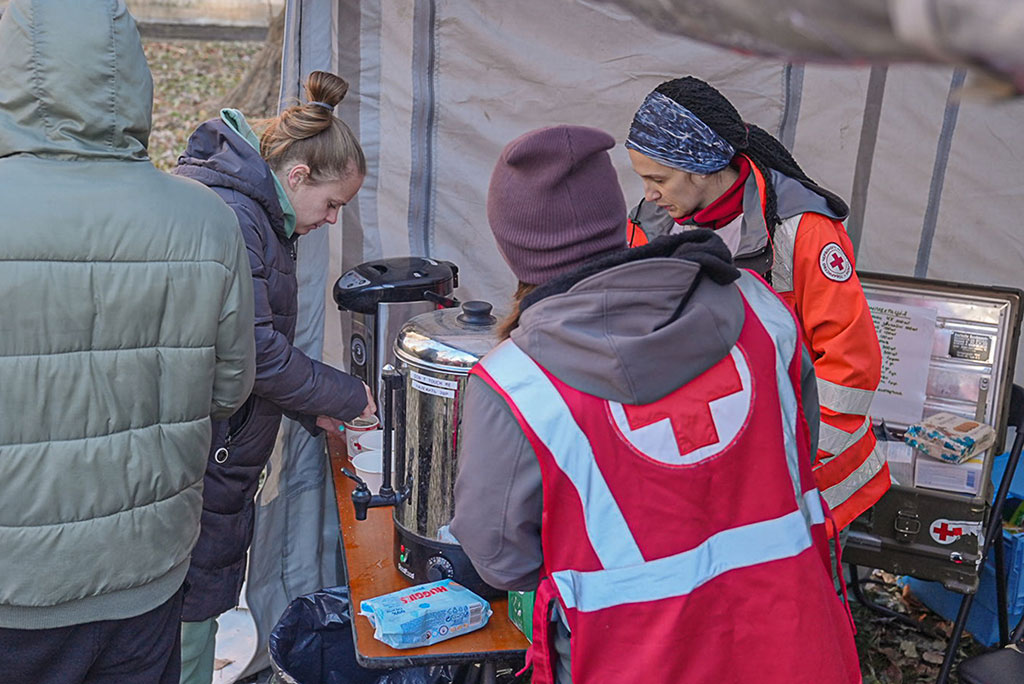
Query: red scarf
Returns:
{"type": "Point", "coordinates": [729, 204]}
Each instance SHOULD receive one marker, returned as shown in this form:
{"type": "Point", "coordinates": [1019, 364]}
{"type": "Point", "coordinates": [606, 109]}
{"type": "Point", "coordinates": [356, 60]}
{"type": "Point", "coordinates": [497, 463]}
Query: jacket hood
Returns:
{"type": "Point", "coordinates": [797, 197]}
{"type": "Point", "coordinates": [74, 82]}
{"type": "Point", "coordinates": [793, 197]}
{"type": "Point", "coordinates": [635, 325]}
{"type": "Point", "coordinates": [220, 154]}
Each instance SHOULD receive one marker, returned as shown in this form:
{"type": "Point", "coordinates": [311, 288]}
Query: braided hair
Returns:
{"type": "Point", "coordinates": [756, 143]}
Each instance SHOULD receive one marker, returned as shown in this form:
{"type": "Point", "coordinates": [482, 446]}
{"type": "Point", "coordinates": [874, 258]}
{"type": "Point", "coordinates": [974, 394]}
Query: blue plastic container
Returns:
{"type": "Point", "coordinates": [1013, 544]}
{"type": "Point", "coordinates": [983, 621]}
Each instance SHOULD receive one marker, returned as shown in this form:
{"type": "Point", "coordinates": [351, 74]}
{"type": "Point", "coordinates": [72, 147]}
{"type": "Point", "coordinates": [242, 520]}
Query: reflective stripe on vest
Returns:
{"type": "Point", "coordinates": [784, 244]}
{"type": "Point", "coordinates": [544, 409]}
{"type": "Point", "coordinates": [626, 577]}
{"type": "Point", "coordinates": [843, 399]}
{"type": "Point", "coordinates": [851, 484]}
{"type": "Point", "coordinates": [835, 441]}
{"type": "Point", "coordinates": [781, 327]}
{"type": "Point", "coordinates": [681, 573]}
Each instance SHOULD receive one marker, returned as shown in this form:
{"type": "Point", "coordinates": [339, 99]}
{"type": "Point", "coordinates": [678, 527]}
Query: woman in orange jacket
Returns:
{"type": "Point", "coordinates": [705, 167]}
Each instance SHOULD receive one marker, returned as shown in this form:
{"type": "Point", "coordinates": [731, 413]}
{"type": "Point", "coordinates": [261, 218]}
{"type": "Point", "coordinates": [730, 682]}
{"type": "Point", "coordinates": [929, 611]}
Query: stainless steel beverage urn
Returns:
{"type": "Point", "coordinates": [435, 352]}
{"type": "Point", "coordinates": [376, 298]}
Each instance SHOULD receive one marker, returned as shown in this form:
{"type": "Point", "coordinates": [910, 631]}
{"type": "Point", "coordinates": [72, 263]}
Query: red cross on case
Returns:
{"type": "Point", "coordinates": [944, 531]}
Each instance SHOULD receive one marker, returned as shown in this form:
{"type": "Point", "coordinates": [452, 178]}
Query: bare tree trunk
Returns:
{"type": "Point", "coordinates": [256, 95]}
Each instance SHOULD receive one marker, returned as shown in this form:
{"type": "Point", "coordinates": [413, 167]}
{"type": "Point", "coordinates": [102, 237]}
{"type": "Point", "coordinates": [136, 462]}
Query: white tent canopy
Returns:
{"type": "Point", "coordinates": [439, 86]}
{"type": "Point", "coordinates": [982, 33]}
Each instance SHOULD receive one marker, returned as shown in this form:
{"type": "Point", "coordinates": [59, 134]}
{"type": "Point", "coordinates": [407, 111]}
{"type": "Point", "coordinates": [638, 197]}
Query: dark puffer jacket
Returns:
{"type": "Point", "coordinates": [287, 381]}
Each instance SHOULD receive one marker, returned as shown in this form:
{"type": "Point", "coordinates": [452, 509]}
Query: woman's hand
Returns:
{"type": "Point", "coordinates": [334, 425]}
{"type": "Point", "coordinates": [329, 424]}
{"type": "Point", "coordinates": [371, 405]}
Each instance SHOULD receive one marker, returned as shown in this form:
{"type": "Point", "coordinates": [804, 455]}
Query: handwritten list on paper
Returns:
{"type": "Point", "coordinates": [905, 334]}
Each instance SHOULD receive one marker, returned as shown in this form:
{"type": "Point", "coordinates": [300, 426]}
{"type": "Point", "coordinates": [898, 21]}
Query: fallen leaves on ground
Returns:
{"type": "Point", "coordinates": [892, 652]}
{"type": "Point", "coordinates": [186, 75]}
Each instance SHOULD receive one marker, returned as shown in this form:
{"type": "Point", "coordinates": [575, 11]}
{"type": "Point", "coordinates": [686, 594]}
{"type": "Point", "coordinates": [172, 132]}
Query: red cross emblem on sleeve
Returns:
{"type": "Point", "coordinates": [834, 263]}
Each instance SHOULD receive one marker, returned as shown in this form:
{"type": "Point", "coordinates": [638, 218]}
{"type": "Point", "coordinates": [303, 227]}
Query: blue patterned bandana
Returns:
{"type": "Point", "coordinates": [671, 134]}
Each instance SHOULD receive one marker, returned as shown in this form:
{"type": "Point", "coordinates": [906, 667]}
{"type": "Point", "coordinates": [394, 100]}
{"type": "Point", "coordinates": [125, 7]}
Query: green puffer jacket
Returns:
{"type": "Point", "coordinates": [125, 321]}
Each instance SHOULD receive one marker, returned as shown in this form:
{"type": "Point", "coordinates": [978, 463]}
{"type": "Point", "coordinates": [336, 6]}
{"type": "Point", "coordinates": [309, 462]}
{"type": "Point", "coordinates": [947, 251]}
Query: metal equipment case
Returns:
{"type": "Point", "coordinates": [922, 532]}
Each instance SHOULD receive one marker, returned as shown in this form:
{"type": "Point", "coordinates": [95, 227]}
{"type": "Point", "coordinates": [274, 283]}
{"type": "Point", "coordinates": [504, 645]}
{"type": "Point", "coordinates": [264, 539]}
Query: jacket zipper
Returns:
{"type": "Point", "coordinates": [221, 455]}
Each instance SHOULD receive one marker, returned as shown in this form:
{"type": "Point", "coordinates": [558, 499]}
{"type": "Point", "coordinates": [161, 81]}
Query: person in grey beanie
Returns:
{"type": "Point", "coordinates": [555, 202]}
{"type": "Point", "coordinates": [610, 435]}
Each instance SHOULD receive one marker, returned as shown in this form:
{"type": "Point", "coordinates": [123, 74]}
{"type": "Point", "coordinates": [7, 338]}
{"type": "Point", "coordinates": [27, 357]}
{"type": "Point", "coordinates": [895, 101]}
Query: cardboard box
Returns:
{"type": "Point", "coordinates": [901, 459]}
{"type": "Point", "coordinates": [965, 478]}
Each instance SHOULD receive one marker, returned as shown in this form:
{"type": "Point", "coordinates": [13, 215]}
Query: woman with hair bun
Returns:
{"type": "Point", "coordinates": [705, 167]}
{"type": "Point", "coordinates": [291, 179]}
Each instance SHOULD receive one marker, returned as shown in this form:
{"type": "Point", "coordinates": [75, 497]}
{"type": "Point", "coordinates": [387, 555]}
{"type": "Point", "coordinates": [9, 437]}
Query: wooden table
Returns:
{"type": "Point", "coordinates": [367, 558]}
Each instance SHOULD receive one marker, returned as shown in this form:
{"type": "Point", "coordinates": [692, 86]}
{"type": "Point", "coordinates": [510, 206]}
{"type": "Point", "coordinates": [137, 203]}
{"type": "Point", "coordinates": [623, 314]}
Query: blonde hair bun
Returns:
{"type": "Point", "coordinates": [311, 134]}
{"type": "Point", "coordinates": [323, 86]}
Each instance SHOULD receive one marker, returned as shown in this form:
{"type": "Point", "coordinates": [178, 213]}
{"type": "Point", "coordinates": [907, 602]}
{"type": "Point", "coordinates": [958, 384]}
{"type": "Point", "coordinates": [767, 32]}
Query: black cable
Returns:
{"type": "Point", "coordinates": [634, 221]}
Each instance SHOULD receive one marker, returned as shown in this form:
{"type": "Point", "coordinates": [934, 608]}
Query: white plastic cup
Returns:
{"type": "Point", "coordinates": [372, 440]}
{"type": "Point", "coordinates": [369, 466]}
{"type": "Point", "coordinates": [356, 427]}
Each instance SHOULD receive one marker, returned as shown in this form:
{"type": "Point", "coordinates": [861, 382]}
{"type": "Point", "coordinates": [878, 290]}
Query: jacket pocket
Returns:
{"type": "Point", "coordinates": [237, 423]}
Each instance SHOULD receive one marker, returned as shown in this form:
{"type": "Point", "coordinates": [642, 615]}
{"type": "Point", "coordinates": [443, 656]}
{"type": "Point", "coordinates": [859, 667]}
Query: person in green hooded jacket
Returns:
{"type": "Point", "coordinates": [126, 314]}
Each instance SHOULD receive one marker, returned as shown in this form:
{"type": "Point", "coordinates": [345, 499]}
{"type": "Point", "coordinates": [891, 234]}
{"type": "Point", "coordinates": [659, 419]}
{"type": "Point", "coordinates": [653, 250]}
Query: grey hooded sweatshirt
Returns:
{"type": "Point", "coordinates": [126, 319]}
{"type": "Point", "coordinates": [614, 330]}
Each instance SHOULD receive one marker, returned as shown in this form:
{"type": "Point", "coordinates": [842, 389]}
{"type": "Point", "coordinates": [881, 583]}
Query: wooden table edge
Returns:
{"type": "Point", "coordinates": [475, 647]}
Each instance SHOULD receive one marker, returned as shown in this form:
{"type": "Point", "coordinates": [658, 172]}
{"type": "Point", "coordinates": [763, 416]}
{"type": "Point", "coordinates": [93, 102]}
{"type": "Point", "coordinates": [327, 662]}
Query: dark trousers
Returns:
{"type": "Point", "coordinates": [139, 650]}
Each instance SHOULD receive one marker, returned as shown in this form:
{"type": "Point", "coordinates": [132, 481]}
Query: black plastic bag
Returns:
{"type": "Point", "coordinates": [312, 642]}
{"type": "Point", "coordinates": [437, 674]}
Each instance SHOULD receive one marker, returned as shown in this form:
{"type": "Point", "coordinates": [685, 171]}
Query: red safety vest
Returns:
{"type": "Point", "coordinates": [685, 539]}
{"type": "Point", "coordinates": [813, 271]}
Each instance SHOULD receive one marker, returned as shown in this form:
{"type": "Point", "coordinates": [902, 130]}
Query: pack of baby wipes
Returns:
{"type": "Point", "coordinates": [950, 438]}
{"type": "Point", "coordinates": [425, 614]}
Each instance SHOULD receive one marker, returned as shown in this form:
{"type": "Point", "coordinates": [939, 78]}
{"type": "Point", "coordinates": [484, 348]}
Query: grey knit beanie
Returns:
{"type": "Point", "coordinates": [555, 201]}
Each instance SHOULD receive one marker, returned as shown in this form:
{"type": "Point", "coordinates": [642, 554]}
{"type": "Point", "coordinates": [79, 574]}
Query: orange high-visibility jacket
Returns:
{"type": "Point", "coordinates": [810, 262]}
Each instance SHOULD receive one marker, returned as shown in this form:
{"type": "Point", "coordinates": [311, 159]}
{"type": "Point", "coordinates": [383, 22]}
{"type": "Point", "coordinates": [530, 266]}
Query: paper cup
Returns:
{"type": "Point", "coordinates": [372, 440]}
{"type": "Point", "coordinates": [356, 427]}
{"type": "Point", "coordinates": [369, 466]}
